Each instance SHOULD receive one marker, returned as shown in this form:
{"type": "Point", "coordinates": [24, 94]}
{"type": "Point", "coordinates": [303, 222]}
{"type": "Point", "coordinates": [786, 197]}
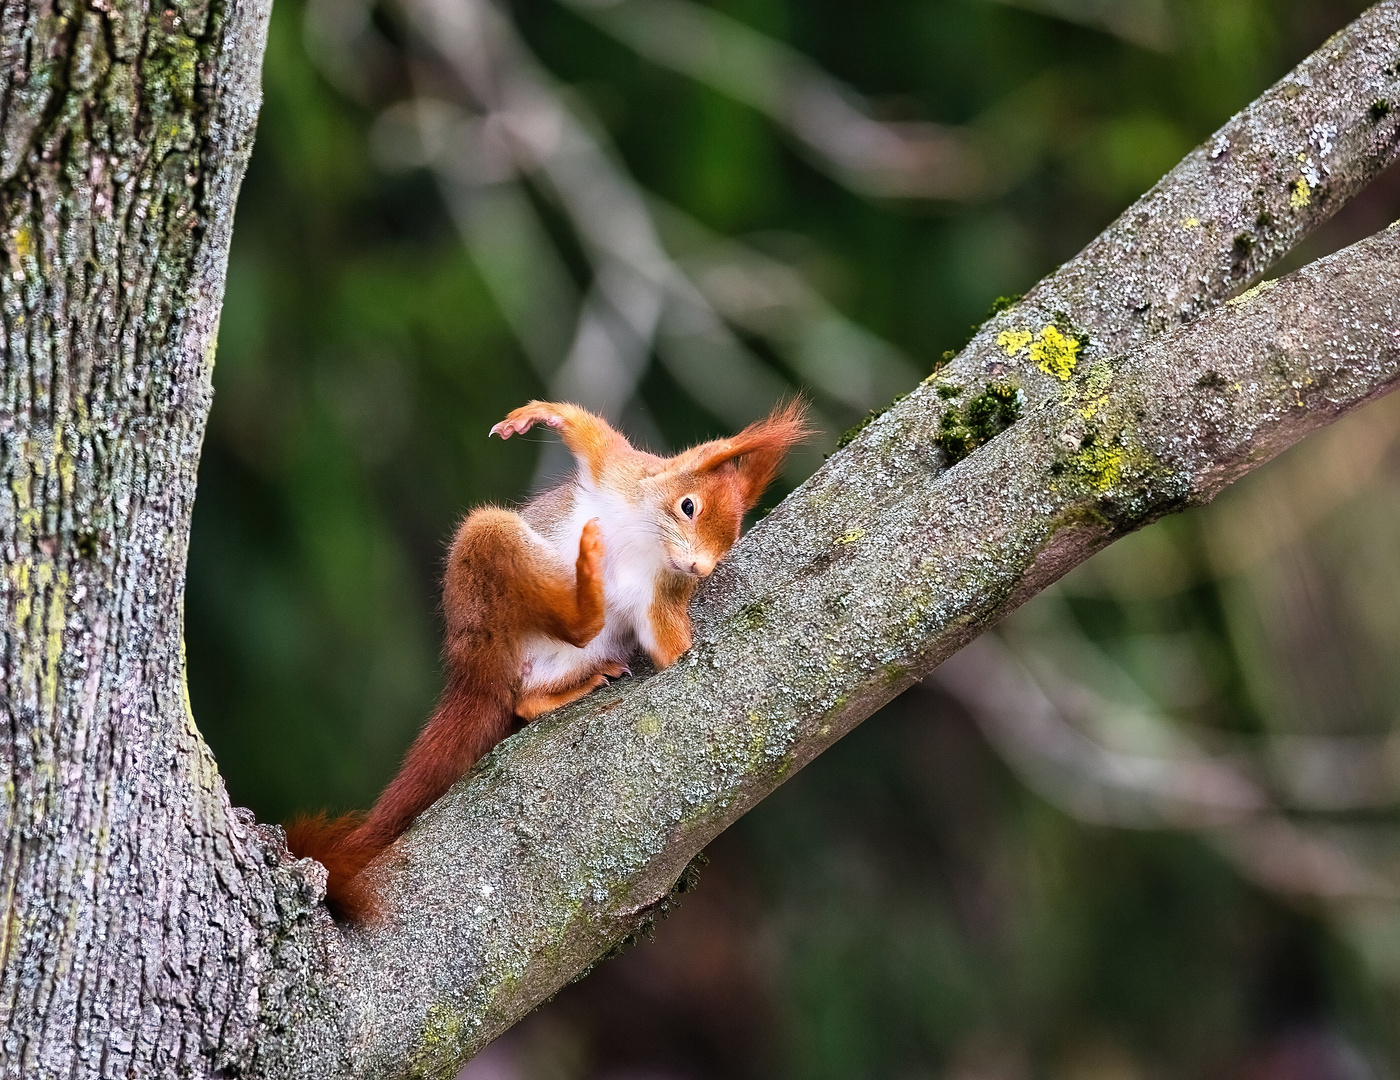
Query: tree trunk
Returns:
{"type": "Point", "coordinates": [149, 929]}
{"type": "Point", "coordinates": [139, 913]}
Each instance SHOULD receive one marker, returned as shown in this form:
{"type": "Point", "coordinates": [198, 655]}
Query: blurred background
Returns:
{"type": "Point", "coordinates": [1167, 846]}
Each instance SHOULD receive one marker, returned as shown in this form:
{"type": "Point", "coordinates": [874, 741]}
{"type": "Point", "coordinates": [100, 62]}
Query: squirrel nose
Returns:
{"type": "Point", "coordinates": [701, 569]}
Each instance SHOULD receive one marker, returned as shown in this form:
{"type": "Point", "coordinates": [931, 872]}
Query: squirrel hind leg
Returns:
{"type": "Point", "coordinates": [538, 702]}
{"type": "Point", "coordinates": [500, 586]}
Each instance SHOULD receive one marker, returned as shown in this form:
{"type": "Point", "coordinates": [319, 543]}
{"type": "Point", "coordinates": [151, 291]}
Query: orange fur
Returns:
{"type": "Point", "coordinates": [757, 452]}
{"type": "Point", "coordinates": [670, 620]}
{"type": "Point", "coordinates": [527, 632]}
{"type": "Point", "coordinates": [590, 438]}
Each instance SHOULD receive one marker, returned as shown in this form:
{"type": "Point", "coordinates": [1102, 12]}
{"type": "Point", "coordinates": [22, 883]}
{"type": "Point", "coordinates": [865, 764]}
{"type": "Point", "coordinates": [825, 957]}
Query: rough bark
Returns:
{"type": "Point", "coordinates": [149, 930]}
{"type": "Point", "coordinates": [138, 917]}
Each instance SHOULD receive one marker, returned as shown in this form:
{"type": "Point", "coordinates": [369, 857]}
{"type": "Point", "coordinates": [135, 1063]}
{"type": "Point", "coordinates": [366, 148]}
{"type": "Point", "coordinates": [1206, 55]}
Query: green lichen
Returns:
{"type": "Point", "coordinates": [40, 610]}
{"type": "Point", "coordinates": [1101, 467]}
{"type": "Point", "coordinates": [53, 640]}
{"type": "Point", "coordinates": [1380, 109]}
{"type": "Point", "coordinates": [894, 674]}
{"type": "Point", "coordinates": [1103, 464]}
{"type": "Point", "coordinates": [1100, 378]}
{"type": "Point", "coordinates": [1000, 304]}
{"type": "Point", "coordinates": [439, 1044]}
{"type": "Point", "coordinates": [1106, 456]}
{"type": "Point", "coordinates": [1091, 391]}
{"type": "Point", "coordinates": [752, 616]}
{"type": "Point", "coordinates": [24, 597]}
{"type": "Point", "coordinates": [1258, 290]}
{"type": "Point", "coordinates": [963, 430]}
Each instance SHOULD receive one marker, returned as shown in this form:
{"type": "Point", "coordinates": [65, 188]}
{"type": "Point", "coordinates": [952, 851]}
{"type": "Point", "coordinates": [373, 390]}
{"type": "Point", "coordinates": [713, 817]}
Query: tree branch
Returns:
{"type": "Point", "coordinates": [572, 833]}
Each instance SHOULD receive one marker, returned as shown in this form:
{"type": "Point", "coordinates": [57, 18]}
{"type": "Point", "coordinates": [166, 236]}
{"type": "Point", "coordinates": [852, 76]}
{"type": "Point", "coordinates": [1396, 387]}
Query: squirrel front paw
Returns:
{"type": "Point", "coordinates": [518, 421]}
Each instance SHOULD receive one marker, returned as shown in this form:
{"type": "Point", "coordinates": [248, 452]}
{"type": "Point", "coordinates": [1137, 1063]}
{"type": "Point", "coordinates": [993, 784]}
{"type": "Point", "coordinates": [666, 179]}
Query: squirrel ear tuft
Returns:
{"type": "Point", "coordinates": [757, 452]}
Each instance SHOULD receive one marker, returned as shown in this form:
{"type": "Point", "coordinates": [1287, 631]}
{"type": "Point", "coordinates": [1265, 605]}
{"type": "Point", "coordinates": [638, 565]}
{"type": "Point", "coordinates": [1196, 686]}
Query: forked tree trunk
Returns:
{"type": "Point", "coordinates": [146, 929]}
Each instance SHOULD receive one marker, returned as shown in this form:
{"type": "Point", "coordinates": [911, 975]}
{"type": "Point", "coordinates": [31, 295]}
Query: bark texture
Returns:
{"type": "Point", "coordinates": [138, 915]}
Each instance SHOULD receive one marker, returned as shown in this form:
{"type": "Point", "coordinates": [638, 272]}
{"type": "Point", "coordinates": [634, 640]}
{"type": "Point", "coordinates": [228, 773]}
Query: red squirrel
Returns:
{"type": "Point", "coordinates": [545, 605]}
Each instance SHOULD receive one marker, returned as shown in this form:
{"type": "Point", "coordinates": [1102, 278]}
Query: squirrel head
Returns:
{"type": "Point", "coordinates": [703, 493]}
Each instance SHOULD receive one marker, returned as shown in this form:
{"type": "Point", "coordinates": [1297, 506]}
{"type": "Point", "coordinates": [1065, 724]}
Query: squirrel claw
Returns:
{"type": "Point", "coordinates": [522, 420]}
{"type": "Point", "coordinates": [511, 425]}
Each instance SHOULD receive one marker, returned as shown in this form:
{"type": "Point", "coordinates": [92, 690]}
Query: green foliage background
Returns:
{"type": "Point", "coordinates": [906, 907]}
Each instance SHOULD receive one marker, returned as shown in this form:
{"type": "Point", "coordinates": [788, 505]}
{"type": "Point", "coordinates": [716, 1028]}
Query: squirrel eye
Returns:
{"type": "Point", "coordinates": [688, 507]}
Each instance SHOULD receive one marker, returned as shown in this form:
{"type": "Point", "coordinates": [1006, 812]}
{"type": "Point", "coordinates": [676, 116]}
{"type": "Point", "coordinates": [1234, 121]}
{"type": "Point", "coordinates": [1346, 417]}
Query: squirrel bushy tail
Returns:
{"type": "Point", "coordinates": [468, 721]}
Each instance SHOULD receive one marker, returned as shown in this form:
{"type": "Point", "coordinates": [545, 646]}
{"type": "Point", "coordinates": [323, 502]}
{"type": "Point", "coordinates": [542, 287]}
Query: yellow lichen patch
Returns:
{"type": "Point", "coordinates": [1099, 380]}
{"type": "Point", "coordinates": [649, 726]}
{"type": "Point", "coordinates": [1299, 193]}
{"type": "Point", "coordinates": [20, 483]}
{"type": "Point", "coordinates": [67, 472]}
{"type": "Point", "coordinates": [24, 242]}
{"type": "Point", "coordinates": [1102, 466]}
{"type": "Point", "coordinates": [58, 603]}
{"type": "Point", "coordinates": [1190, 223]}
{"type": "Point", "coordinates": [1258, 290]}
{"type": "Point", "coordinates": [10, 921]}
{"type": "Point", "coordinates": [852, 536]}
{"type": "Point", "coordinates": [1014, 342]}
{"type": "Point", "coordinates": [24, 599]}
{"type": "Point", "coordinates": [1055, 354]}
